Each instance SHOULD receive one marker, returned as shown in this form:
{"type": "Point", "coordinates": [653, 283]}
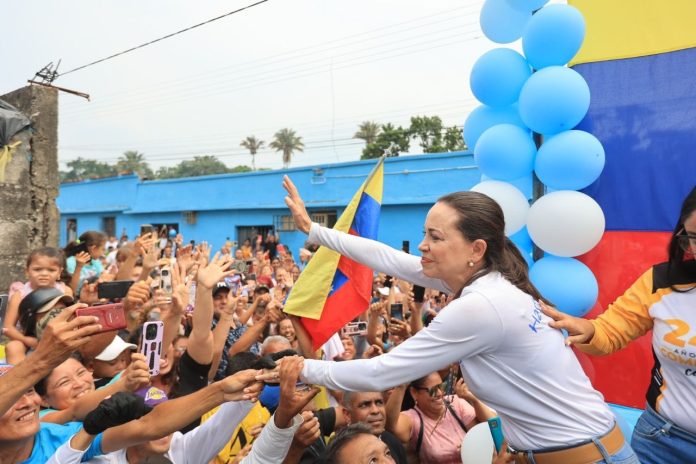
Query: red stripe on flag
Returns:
{"type": "Point", "coordinates": [343, 305]}
{"type": "Point", "coordinates": [617, 261]}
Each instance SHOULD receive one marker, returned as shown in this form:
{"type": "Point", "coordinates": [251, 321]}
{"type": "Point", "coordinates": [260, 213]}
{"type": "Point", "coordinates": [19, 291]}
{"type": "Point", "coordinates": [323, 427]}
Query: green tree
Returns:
{"type": "Point", "coordinates": [368, 131]}
{"type": "Point", "coordinates": [430, 131]}
{"type": "Point", "coordinates": [287, 141]}
{"type": "Point", "coordinates": [198, 166]}
{"type": "Point", "coordinates": [252, 144]}
{"type": "Point", "coordinates": [454, 139]}
{"type": "Point", "coordinates": [391, 140]}
{"type": "Point", "coordinates": [134, 161]}
{"type": "Point", "coordinates": [84, 168]}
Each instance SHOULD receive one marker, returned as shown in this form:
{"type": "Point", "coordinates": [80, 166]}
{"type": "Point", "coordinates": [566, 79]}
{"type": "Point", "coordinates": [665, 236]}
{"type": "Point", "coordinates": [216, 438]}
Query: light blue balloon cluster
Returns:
{"type": "Point", "coordinates": [537, 93]}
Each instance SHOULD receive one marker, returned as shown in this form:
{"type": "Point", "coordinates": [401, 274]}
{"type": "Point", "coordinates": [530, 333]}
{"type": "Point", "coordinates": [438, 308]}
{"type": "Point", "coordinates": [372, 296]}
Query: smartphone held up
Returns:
{"type": "Point", "coordinates": [109, 316]}
{"type": "Point", "coordinates": [151, 345]}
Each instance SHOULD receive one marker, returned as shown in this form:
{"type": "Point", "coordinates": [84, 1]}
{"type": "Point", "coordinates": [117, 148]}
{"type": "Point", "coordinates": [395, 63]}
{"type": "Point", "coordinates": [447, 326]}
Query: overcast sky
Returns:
{"type": "Point", "coordinates": [317, 66]}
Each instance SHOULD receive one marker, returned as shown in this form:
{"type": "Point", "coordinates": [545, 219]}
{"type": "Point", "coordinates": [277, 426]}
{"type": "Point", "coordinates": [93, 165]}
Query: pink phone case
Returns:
{"type": "Point", "coordinates": [151, 345]}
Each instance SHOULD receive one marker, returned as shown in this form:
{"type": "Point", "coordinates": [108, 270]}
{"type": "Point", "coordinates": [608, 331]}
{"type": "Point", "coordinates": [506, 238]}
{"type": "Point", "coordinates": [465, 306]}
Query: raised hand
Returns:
{"type": "Point", "coordinates": [88, 293]}
{"type": "Point", "coordinates": [203, 255]}
{"type": "Point", "coordinates": [63, 336]}
{"type": "Point", "coordinates": [399, 328]}
{"type": "Point", "coordinates": [579, 330]}
{"type": "Point", "coordinates": [308, 432]}
{"type": "Point", "coordinates": [296, 205]}
{"type": "Point", "coordinates": [462, 391]}
{"type": "Point", "coordinates": [292, 400]}
{"type": "Point", "coordinates": [138, 293]}
{"type": "Point", "coordinates": [208, 276]}
{"type": "Point", "coordinates": [372, 352]}
{"type": "Point", "coordinates": [137, 374]}
{"type": "Point", "coordinates": [82, 258]}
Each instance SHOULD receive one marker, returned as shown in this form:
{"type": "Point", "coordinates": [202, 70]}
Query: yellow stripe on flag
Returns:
{"type": "Point", "coordinates": [309, 293]}
{"type": "Point", "coordinates": [618, 29]}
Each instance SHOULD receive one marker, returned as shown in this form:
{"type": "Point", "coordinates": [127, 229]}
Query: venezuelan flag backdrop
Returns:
{"type": "Point", "coordinates": [333, 289]}
{"type": "Point", "coordinates": [639, 59]}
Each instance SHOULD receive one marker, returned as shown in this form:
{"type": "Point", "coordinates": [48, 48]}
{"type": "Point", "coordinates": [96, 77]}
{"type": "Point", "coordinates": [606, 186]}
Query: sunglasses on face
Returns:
{"type": "Point", "coordinates": [686, 241]}
{"type": "Point", "coordinates": [432, 391]}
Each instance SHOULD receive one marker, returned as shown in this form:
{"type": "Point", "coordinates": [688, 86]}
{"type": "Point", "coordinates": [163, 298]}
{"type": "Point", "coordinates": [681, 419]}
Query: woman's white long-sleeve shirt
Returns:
{"type": "Point", "coordinates": [509, 356]}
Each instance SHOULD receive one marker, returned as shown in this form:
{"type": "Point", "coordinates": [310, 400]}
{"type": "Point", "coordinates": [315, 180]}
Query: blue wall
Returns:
{"type": "Point", "coordinates": [224, 202]}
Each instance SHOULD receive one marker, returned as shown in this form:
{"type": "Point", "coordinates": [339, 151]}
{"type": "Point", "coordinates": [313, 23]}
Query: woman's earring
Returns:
{"type": "Point", "coordinates": [471, 264]}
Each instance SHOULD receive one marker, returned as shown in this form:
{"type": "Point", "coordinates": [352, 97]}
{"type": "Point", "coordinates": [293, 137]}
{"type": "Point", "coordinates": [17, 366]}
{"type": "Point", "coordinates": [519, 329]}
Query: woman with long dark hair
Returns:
{"type": "Point", "coordinates": [509, 357]}
{"type": "Point", "coordinates": [663, 300]}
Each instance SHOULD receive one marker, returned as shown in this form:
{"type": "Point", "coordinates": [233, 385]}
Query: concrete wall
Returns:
{"type": "Point", "coordinates": [28, 212]}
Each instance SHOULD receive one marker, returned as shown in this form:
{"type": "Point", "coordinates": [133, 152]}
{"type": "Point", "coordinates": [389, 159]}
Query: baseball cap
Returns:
{"type": "Point", "coordinates": [43, 299]}
{"type": "Point", "coordinates": [115, 348]}
{"type": "Point", "coordinates": [220, 287]}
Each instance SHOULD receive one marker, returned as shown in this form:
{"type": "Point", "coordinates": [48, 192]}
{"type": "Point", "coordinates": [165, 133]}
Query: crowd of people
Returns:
{"type": "Point", "coordinates": [444, 345]}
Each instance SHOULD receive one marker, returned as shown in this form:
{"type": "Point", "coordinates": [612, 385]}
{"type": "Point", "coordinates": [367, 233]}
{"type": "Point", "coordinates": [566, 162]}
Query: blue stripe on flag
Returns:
{"type": "Point", "coordinates": [366, 220]}
{"type": "Point", "coordinates": [338, 281]}
{"type": "Point", "coordinates": [643, 111]}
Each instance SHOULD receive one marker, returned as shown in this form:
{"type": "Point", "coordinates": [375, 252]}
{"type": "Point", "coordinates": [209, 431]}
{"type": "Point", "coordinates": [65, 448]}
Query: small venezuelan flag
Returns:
{"type": "Point", "coordinates": [333, 289]}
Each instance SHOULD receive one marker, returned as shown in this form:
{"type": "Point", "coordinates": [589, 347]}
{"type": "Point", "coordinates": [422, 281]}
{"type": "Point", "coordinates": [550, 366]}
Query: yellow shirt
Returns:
{"type": "Point", "coordinates": [242, 434]}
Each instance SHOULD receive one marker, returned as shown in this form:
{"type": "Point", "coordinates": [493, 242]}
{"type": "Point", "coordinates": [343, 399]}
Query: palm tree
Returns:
{"type": "Point", "coordinates": [368, 131]}
{"type": "Point", "coordinates": [134, 161]}
{"type": "Point", "coordinates": [286, 141]}
{"type": "Point", "coordinates": [252, 144]}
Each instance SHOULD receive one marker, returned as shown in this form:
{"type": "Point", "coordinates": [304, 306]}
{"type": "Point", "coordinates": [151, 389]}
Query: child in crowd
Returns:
{"type": "Point", "coordinates": [35, 310]}
{"type": "Point", "coordinates": [83, 261]}
{"type": "Point", "coordinates": [43, 270]}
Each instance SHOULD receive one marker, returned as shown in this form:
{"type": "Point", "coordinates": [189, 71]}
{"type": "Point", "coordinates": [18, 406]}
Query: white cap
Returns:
{"type": "Point", "coordinates": [114, 349]}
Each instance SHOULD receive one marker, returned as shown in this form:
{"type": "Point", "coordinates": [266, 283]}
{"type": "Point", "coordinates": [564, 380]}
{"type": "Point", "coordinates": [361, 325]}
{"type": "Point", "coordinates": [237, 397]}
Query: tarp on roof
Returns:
{"type": "Point", "coordinates": [11, 121]}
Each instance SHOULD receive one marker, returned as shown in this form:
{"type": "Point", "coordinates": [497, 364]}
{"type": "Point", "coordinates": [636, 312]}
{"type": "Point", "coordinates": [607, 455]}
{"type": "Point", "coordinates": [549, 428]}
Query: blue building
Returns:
{"type": "Point", "coordinates": [240, 206]}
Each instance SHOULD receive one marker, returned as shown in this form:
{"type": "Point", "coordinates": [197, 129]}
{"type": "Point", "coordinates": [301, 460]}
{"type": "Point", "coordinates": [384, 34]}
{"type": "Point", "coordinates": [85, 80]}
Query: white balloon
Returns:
{"type": "Point", "coordinates": [565, 223]}
{"type": "Point", "coordinates": [477, 447]}
{"type": "Point", "coordinates": [513, 203]}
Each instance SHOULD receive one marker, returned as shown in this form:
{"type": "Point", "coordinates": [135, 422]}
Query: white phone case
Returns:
{"type": "Point", "coordinates": [151, 345]}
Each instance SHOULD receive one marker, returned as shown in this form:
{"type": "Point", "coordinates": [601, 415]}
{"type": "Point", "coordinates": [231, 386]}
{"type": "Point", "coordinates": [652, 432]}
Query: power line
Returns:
{"type": "Point", "coordinates": [162, 38]}
{"type": "Point", "coordinates": [285, 56]}
{"type": "Point", "coordinates": [253, 77]}
{"type": "Point", "coordinates": [317, 69]}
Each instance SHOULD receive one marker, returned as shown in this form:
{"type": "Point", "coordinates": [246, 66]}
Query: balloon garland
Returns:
{"type": "Point", "coordinates": [538, 93]}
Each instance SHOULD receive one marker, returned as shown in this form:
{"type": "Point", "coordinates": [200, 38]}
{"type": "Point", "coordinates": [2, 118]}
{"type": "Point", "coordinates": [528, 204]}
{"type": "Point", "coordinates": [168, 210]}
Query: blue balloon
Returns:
{"type": "Point", "coordinates": [484, 117]}
{"type": "Point", "coordinates": [553, 36]}
{"type": "Point", "coordinates": [626, 418]}
{"type": "Point", "coordinates": [498, 76]}
{"type": "Point", "coordinates": [571, 160]}
{"type": "Point", "coordinates": [505, 152]}
{"type": "Point", "coordinates": [524, 243]}
{"type": "Point", "coordinates": [503, 23]}
{"type": "Point", "coordinates": [529, 5]}
{"type": "Point", "coordinates": [553, 100]}
{"type": "Point", "coordinates": [566, 282]}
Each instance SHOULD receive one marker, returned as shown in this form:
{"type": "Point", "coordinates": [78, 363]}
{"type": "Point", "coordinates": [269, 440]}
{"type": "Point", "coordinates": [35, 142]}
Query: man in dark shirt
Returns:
{"type": "Point", "coordinates": [369, 408]}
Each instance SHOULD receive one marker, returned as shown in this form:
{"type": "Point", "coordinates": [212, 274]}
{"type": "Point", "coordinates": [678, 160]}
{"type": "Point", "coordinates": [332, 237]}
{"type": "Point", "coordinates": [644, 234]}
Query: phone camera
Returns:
{"type": "Point", "coordinates": [151, 332]}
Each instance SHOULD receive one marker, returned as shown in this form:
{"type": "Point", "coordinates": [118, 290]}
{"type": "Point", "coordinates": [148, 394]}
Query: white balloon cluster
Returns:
{"type": "Point", "coordinates": [537, 93]}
